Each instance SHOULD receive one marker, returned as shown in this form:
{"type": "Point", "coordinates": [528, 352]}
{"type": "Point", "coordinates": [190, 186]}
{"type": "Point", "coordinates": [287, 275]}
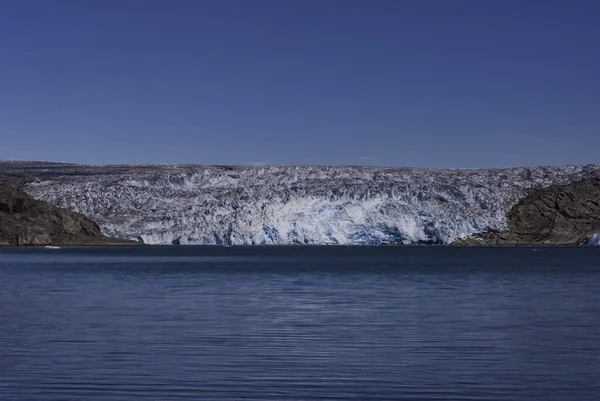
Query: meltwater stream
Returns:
{"type": "Point", "coordinates": [300, 323]}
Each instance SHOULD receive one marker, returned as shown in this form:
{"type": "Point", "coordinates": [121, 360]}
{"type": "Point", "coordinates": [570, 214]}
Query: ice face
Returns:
{"type": "Point", "coordinates": [160, 204]}
{"type": "Point", "coordinates": [593, 239]}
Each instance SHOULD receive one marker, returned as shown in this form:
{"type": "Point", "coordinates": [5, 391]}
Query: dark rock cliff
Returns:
{"type": "Point", "coordinates": [559, 214]}
{"type": "Point", "coordinates": [26, 221]}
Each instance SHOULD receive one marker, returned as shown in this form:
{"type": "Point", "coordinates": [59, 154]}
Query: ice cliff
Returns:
{"type": "Point", "coordinates": [190, 204]}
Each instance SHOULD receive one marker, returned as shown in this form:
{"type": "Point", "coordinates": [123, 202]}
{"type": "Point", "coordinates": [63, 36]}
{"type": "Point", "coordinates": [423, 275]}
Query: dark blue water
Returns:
{"type": "Point", "coordinates": [300, 323]}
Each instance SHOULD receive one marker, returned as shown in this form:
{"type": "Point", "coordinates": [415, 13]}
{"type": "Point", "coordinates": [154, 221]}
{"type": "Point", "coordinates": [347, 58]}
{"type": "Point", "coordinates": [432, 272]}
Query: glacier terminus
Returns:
{"type": "Point", "coordinates": [195, 204]}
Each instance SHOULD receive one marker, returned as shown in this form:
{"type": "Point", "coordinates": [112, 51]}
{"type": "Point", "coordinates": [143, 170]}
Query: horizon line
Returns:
{"type": "Point", "coordinates": [256, 166]}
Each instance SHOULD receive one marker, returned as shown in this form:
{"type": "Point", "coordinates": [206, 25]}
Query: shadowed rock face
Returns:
{"type": "Point", "coordinates": [26, 221]}
{"type": "Point", "coordinates": [559, 214]}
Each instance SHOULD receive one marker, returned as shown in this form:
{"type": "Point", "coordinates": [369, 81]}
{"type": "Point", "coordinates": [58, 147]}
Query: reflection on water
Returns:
{"type": "Point", "coordinates": [300, 323]}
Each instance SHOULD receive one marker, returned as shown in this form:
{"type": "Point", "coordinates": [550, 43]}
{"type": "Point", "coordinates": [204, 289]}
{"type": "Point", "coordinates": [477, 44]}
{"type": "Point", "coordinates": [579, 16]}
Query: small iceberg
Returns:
{"type": "Point", "coordinates": [51, 247]}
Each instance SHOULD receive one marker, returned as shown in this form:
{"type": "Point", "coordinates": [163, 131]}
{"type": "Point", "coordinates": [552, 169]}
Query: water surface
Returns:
{"type": "Point", "coordinates": [300, 323]}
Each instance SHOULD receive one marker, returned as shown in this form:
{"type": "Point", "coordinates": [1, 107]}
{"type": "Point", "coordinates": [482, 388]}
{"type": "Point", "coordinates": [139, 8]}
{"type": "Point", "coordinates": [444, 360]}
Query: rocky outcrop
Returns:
{"type": "Point", "coordinates": [27, 221]}
{"type": "Point", "coordinates": [559, 214]}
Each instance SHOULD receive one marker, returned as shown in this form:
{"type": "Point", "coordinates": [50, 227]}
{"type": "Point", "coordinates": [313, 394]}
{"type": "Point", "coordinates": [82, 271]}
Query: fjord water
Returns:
{"type": "Point", "coordinates": [300, 323]}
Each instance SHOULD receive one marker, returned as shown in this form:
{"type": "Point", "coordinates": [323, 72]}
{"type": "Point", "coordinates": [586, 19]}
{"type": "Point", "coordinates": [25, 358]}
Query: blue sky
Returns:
{"type": "Point", "coordinates": [438, 83]}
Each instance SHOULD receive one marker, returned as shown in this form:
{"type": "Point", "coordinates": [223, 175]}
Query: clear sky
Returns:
{"type": "Point", "coordinates": [438, 83]}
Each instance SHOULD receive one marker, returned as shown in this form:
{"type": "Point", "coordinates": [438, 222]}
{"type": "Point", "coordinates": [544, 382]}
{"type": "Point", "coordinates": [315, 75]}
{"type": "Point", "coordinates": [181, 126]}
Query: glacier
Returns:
{"type": "Point", "coordinates": [195, 204]}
